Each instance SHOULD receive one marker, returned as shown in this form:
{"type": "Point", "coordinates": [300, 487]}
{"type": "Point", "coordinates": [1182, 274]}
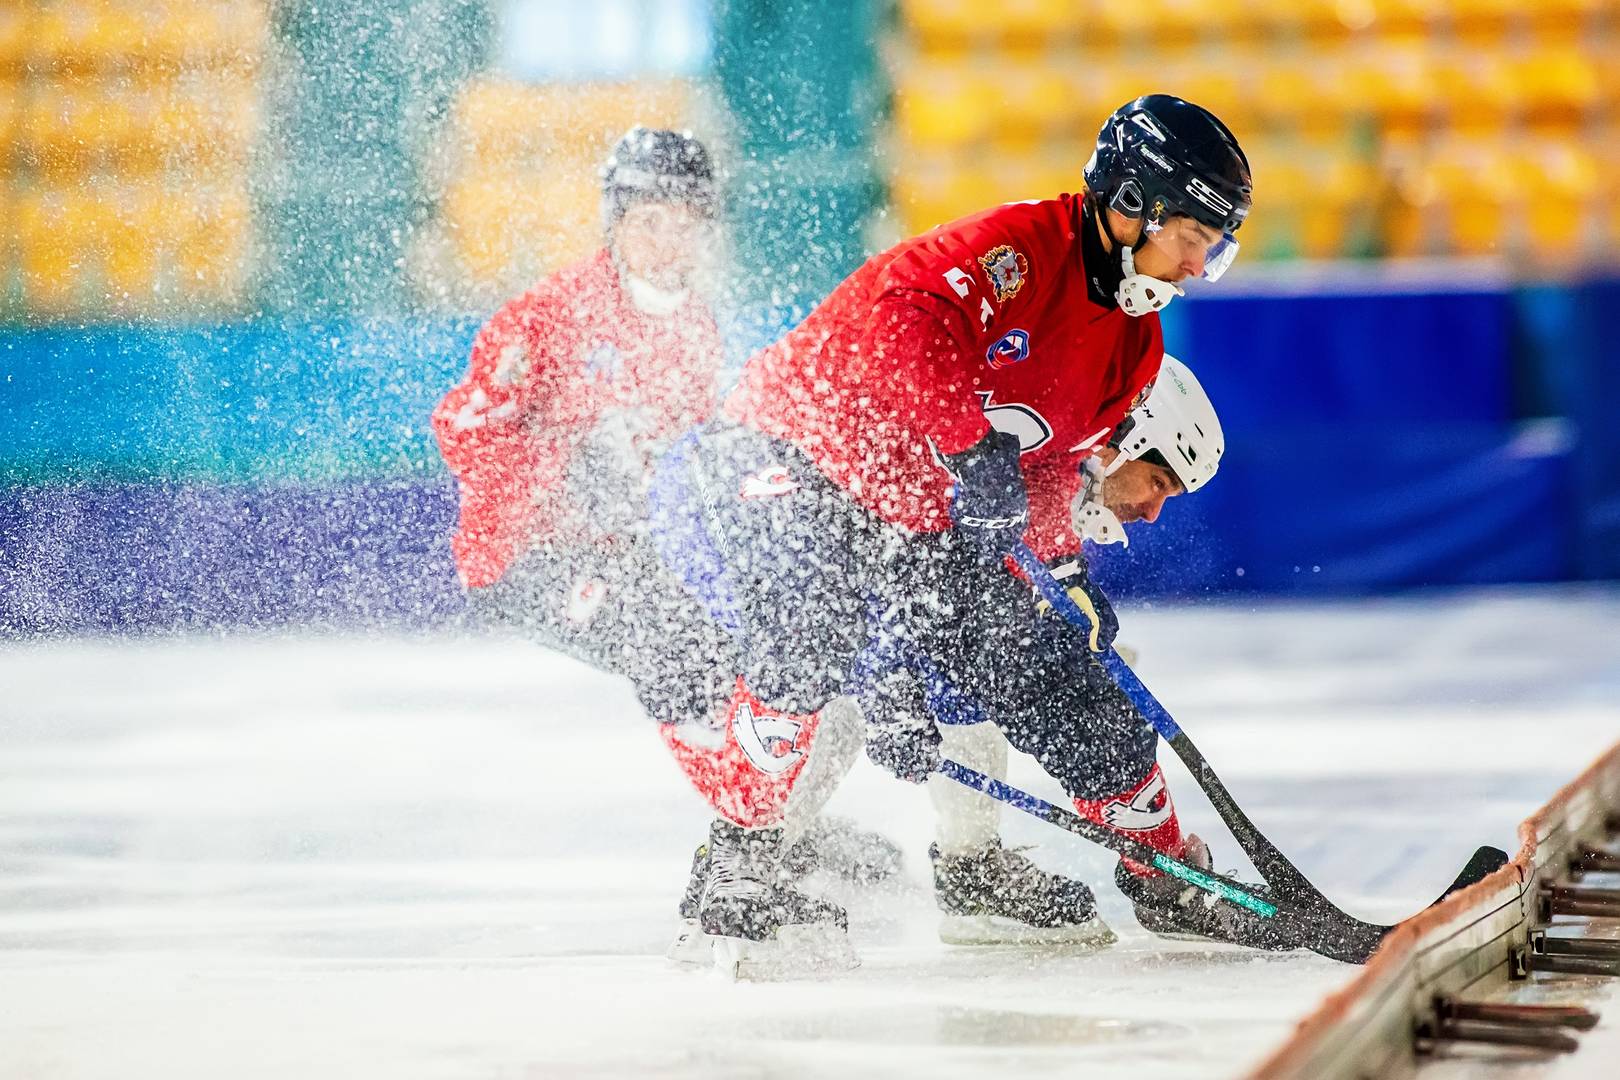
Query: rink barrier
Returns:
{"type": "Point", "coordinates": [1375, 1026]}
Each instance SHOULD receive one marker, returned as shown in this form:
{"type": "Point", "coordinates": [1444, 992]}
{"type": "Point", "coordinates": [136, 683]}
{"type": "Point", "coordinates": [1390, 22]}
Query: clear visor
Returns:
{"type": "Point", "coordinates": [1191, 245]}
{"type": "Point", "coordinates": [1220, 256]}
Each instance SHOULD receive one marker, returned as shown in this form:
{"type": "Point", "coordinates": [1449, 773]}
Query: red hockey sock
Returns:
{"type": "Point", "coordinates": [1143, 813]}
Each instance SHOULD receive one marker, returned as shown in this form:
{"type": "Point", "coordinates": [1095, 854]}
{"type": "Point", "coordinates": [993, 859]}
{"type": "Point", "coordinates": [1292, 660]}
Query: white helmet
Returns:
{"type": "Point", "coordinates": [1174, 418]}
{"type": "Point", "coordinates": [1177, 419]}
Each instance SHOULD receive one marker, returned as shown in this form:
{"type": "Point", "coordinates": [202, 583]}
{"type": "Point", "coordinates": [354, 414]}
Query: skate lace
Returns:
{"type": "Point", "coordinates": [738, 872]}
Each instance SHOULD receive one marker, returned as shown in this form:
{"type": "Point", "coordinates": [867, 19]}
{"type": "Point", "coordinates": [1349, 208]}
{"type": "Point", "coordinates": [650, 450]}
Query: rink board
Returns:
{"type": "Point", "coordinates": [1465, 947]}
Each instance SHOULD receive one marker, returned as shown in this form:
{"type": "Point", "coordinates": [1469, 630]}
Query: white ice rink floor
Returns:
{"type": "Point", "coordinates": [344, 856]}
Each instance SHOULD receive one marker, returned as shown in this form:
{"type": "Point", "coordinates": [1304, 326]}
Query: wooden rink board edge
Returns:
{"type": "Point", "coordinates": [1393, 962]}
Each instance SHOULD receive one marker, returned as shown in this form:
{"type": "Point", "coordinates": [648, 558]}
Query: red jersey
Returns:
{"type": "Point", "coordinates": [545, 370]}
{"type": "Point", "coordinates": [990, 320]}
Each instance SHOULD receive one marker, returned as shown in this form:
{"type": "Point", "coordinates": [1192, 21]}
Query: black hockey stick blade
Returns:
{"type": "Point", "coordinates": [1485, 862]}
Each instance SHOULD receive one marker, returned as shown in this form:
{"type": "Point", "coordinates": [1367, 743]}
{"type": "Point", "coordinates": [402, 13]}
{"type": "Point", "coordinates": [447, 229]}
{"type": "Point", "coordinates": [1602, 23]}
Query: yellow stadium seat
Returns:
{"type": "Point", "coordinates": [15, 31]}
{"type": "Point", "coordinates": [941, 20]}
{"type": "Point", "coordinates": [951, 22]}
{"type": "Point", "coordinates": [1476, 89]}
{"type": "Point", "coordinates": [1035, 98]}
{"type": "Point", "coordinates": [1566, 186]}
{"type": "Point", "coordinates": [942, 107]}
{"type": "Point", "coordinates": [1302, 91]}
{"type": "Point", "coordinates": [1396, 84]}
{"type": "Point", "coordinates": [1475, 186]}
{"type": "Point", "coordinates": [1558, 83]}
{"type": "Point", "coordinates": [60, 235]}
{"type": "Point", "coordinates": [68, 123]}
{"type": "Point", "coordinates": [208, 118]}
{"type": "Point", "coordinates": [930, 193]}
{"type": "Point", "coordinates": [536, 222]}
{"type": "Point", "coordinates": [498, 123]}
{"type": "Point", "coordinates": [212, 250]}
{"type": "Point", "coordinates": [193, 33]}
{"type": "Point", "coordinates": [1035, 20]}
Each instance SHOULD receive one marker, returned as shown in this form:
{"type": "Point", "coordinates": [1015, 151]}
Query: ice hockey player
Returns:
{"type": "Point", "coordinates": [874, 470]}
{"type": "Point", "coordinates": [571, 389]}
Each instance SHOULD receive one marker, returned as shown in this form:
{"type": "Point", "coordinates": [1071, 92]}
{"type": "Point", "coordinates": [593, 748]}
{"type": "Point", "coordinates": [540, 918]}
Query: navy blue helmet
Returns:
{"type": "Point", "coordinates": [1159, 156]}
{"type": "Point", "coordinates": [655, 165]}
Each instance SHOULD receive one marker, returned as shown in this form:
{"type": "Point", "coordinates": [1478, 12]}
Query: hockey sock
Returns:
{"type": "Point", "coordinates": [1143, 813]}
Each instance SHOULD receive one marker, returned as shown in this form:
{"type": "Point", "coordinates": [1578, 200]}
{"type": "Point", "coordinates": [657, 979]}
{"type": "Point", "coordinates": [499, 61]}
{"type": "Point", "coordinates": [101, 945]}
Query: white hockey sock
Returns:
{"type": "Point", "coordinates": [966, 821]}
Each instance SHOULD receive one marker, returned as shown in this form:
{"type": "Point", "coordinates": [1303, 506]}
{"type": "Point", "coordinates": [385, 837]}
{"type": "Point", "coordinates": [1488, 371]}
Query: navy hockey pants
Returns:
{"type": "Point", "coordinates": [803, 578]}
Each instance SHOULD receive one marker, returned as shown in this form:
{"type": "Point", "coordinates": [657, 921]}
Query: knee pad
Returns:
{"type": "Point", "coordinates": [761, 767]}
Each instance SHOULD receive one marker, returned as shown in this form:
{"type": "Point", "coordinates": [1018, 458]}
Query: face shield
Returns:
{"type": "Point", "coordinates": [1186, 243]}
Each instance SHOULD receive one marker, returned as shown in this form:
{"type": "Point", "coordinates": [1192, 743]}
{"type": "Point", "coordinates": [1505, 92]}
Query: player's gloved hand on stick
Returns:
{"type": "Point", "coordinates": [1075, 577]}
{"type": "Point", "coordinates": [901, 736]}
{"type": "Point", "coordinates": [989, 505]}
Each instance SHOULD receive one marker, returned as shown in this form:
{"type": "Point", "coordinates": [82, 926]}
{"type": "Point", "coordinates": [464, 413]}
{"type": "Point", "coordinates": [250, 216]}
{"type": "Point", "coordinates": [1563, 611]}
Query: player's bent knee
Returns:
{"type": "Point", "coordinates": [760, 767]}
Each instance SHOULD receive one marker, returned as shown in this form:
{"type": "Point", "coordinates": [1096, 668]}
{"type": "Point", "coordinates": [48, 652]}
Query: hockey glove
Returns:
{"type": "Point", "coordinates": [901, 737]}
{"type": "Point", "coordinates": [1075, 578]}
{"type": "Point", "coordinates": [989, 505]}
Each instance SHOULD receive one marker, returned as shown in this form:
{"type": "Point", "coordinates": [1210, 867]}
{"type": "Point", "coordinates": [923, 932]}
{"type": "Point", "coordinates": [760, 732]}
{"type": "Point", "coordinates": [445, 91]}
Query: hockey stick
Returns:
{"type": "Point", "coordinates": [1278, 870]}
{"type": "Point", "coordinates": [1339, 939]}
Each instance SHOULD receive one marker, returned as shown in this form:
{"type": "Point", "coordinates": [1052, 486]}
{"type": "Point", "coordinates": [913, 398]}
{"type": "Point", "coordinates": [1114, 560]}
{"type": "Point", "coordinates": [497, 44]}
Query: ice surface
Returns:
{"type": "Point", "coordinates": [343, 856]}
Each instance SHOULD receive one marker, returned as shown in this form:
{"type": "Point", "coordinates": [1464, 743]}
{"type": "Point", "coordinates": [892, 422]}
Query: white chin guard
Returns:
{"type": "Point", "coordinates": [1089, 518]}
{"type": "Point", "coordinates": [1139, 294]}
{"type": "Point", "coordinates": [1095, 522]}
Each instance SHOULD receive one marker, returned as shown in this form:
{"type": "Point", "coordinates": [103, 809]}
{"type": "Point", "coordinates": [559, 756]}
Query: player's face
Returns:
{"type": "Point", "coordinates": [1138, 490]}
{"type": "Point", "coordinates": [1177, 250]}
{"type": "Point", "coordinates": [665, 244]}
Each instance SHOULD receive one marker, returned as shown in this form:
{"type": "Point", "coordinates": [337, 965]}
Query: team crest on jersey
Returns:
{"type": "Point", "coordinates": [1012, 348]}
{"type": "Point", "coordinates": [1007, 270]}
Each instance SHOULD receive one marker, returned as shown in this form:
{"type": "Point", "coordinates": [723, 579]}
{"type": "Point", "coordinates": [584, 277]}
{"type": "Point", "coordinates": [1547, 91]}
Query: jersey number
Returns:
{"type": "Point", "coordinates": [961, 283]}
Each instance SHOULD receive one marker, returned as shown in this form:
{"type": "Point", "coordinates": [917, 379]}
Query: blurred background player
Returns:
{"type": "Point", "coordinates": [570, 389]}
{"type": "Point", "coordinates": [573, 387]}
{"type": "Point", "coordinates": [876, 467]}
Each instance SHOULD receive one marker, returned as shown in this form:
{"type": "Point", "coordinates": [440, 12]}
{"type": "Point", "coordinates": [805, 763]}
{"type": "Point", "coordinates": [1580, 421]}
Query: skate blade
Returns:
{"type": "Point", "coordinates": [997, 930]}
{"type": "Point", "coordinates": [796, 952]}
{"type": "Point", "coordinates": [691, 947]}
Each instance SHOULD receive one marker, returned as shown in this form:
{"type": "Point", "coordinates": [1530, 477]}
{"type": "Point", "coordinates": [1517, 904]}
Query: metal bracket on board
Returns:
{"type": "Point", "coordinates": [1539, 1027]}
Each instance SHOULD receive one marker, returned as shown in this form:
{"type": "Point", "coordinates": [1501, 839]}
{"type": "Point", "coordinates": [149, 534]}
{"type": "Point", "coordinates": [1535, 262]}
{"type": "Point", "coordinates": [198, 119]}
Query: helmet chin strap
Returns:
{"type": "Point", "coordinates": [1139, 294]}
{"type": "Point", "coordinates": [649, 299]}
{"type": "Point", "coordinates": [1090, 518]}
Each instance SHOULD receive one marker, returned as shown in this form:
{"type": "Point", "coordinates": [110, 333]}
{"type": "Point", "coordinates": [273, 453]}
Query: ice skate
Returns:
{"type": "Point", "coordinates": [996, 896]}
{"type": "Point", "coordinates": [754, 924]}
{"type": "Point", "coordinates": [1171, 908]}
{"type": "Point", "coordinates": [835, 846]}
{"type": "Point", "coordinates": [691, 945]}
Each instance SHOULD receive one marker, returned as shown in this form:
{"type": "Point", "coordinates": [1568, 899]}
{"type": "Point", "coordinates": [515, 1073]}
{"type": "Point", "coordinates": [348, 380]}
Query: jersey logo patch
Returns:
{"type": "Point", "coordinates": [1012, 348]}
{"type": "Point", "coordinates": [1016, 418]}
{"type": "Point", "coordinates": [768, 482]}
{"type": "Point", "coordinates": [1007, 270]}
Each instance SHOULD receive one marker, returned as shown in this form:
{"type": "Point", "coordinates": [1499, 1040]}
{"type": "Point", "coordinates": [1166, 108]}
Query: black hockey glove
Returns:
{"type": "Point", "coordinates": [1075, 577]}
{"type": "Point", "coordinates": [900, 733]}
{"type": "Point", "coordinates": [989, 505]}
